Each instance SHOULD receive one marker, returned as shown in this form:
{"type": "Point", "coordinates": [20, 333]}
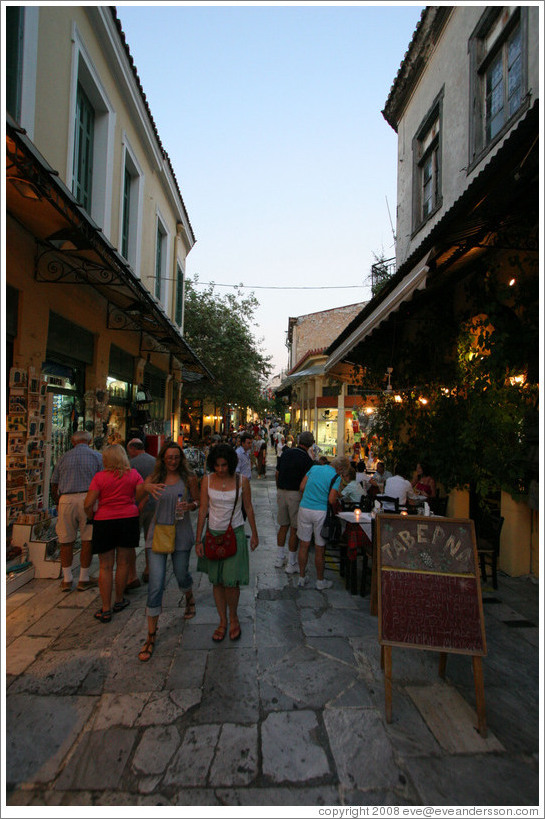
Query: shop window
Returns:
{"type": "Point", "coordinates": [498, 51]}
{"type": "Point", "coordinates": [427, 197]}
{"type": "Point", "coordinates": [131, 209]}
{"type": "Point", "coordinates": [91, 142]}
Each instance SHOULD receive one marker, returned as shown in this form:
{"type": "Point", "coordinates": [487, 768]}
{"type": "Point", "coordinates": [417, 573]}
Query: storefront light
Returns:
{"type": "Point", "coordinates": [398, 399]}
{"type": "Point", "coordinates": [369, 410]}
{"type": "Point", "coordinates": [423, 400]}
{"type": "Point", "coordinates": [517, 380]}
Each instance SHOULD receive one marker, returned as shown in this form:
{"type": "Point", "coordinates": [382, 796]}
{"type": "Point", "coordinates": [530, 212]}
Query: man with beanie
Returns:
{"type": "Point", "coordinates": [293, 465]}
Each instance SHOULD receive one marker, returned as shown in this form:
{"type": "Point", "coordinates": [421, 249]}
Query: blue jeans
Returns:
{"type": "Point", "coordinates": [157, 564]}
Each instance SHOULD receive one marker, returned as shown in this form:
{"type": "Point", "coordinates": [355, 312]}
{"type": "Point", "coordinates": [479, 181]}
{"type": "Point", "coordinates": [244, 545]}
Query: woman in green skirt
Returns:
{"type": "Point", "coordinates": [221, 502]}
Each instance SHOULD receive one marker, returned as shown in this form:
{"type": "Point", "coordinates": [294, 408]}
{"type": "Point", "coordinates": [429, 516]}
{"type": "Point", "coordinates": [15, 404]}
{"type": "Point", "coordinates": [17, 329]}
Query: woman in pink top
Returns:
{"type": "Point", "coordinates": [116, 525]}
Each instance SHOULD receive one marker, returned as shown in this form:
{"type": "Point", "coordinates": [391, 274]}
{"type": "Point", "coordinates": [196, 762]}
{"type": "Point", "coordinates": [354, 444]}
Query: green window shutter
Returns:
{"type": "Point", "coordinates": [83, 149]}
{"type": "Point", "coordinates": [126, 214]}
{"type": "Point", "coordinates": [14, 59]}
{"type": "Point", "coordinates": [179, 295]}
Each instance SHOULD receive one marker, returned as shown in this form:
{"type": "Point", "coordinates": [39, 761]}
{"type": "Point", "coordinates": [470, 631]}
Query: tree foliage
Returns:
{"type": "Point", "coordinates": [219, 330]}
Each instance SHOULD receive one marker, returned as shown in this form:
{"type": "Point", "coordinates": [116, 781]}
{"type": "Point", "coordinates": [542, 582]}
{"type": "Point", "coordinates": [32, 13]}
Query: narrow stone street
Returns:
{"type": "Point", "coordinates": [291, 714]}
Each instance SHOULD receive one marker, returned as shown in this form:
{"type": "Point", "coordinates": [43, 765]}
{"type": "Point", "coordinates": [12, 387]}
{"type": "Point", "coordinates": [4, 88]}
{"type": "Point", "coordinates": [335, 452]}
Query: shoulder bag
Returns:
{"type": "Point", "coordinates": [220, 547]}
{"type": "Point", "coordinates": [164, 537]}
{"type": "Point", "coordinates": [331, 527]}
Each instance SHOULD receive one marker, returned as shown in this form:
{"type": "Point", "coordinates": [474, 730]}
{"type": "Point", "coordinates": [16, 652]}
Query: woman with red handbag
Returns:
{"type": "Point", "coordinates": [222, 493]}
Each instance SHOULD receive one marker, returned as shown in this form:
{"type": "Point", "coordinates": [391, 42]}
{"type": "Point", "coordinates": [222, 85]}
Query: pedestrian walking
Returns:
{"type": "Point", "coordinates": [319, 486]}
{"type": "Point", "coordinates": [293, 465]}
{"type": "Point", "coordinates": [176, 492]}
{"type": "Point", "coordinates": [69, 484]}
{"type": "Point", "coordinates": [116, 525]}
{"type": "Point", "coordinates": [222, 493]}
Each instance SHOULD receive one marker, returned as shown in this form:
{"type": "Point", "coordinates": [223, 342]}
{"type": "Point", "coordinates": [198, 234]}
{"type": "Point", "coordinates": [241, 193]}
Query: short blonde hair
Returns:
{"type": "Point", "coordinates": [114, 459]}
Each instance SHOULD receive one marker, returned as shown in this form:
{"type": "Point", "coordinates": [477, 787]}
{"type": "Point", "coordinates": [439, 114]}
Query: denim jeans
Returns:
{"type": "Point", "coordinates": [157, 572]}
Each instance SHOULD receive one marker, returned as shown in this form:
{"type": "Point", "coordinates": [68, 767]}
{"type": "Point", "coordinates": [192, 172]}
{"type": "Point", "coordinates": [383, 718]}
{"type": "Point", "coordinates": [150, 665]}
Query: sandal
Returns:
{"type": "Point", "coordinates": [190, 610]}
{"type": "Point", "coordinates": [148, 647]}
{"type": "Point", "coordinates": [103, 616]}
{"type": "Point", "coordinates": [235, 631]}
{"type": "Point", "coordinates": [121, 605]}
{"type": "Point", "coordinates": [219, 634]}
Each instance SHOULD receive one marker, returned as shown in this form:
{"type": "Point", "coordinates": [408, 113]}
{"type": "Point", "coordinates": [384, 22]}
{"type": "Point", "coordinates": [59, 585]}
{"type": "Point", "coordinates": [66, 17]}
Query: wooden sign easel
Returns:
{"type": "Point", "coordinates": [429, 594]}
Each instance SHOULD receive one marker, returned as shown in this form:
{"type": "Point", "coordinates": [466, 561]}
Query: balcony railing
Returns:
{"type": "Point", "coordinates": [381, 272]}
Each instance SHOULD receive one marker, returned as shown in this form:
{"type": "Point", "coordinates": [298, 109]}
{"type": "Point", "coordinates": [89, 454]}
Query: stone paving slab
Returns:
{"type": "Point", "coordinates": [474, 780]}
{"type": "Point", "coordinates": [290, 748]}
{"type": "Point", "coordinates": [363, 753]}
{"type": "Point", "coordinates": [269, 797]}
{"type": "Point", "coordinates": [309, 678]}
{"type": "Point", "coordinates": [59, 672]}
{"type": "Point", "coordinates": [23, 652]}
{"type": "Point", "coordinates": [155, 749]}
{"type": "Point", "coordinates": [236, 761]}
{"type": "Point", "coordinates": [98, 761]}
{"type": "Point", "coordinates": [191, 763]}
{"type": "Point", "coordinates": [230, 691]}
{"type": "Point", "coordinates": [40, 732]}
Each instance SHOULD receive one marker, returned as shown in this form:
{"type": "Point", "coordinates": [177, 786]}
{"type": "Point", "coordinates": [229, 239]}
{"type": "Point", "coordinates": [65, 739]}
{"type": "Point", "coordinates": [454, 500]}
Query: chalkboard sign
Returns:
{"type": "Point", "coordinates": [429, 592]}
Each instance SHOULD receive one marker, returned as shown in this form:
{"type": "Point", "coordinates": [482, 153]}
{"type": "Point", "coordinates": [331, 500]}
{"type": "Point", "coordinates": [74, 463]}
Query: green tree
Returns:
{"type": "Point", "coordinates": [219, 330]}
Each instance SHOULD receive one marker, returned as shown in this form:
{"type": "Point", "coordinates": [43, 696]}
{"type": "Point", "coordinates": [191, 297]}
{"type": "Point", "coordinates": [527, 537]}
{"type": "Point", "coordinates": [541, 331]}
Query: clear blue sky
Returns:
{"type": "Point", "coordinates": [271, 116]}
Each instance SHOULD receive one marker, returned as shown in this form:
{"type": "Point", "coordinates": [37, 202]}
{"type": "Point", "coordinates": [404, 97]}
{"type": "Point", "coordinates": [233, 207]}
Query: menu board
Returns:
{"type": "Point", "coordinates": [429, 593]}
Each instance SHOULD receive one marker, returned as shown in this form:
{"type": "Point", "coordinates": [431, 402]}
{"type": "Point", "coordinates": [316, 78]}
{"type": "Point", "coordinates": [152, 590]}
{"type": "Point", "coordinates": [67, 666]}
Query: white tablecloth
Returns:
{"type": "Point", "coordinates": [364, 521]}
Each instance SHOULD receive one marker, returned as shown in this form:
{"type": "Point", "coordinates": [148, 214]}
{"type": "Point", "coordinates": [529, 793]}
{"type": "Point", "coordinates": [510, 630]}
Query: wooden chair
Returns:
{"type": "Point", "coordinates": [488, 545]}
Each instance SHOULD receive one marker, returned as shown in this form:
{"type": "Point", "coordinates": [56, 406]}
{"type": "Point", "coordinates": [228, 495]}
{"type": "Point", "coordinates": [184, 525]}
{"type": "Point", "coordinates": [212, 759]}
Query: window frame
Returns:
{"type": "Point", "coordinates": [180, 296]}
{"type": "Point", "coordinates": [26, 59]}
{"type": "Point", "coordinates": [421, 154]}
{"type": "Point", "coordinates": [131, 167]}
{"type": "Point", "coordinates": [480, 62]}
{"type": "Point", "coordinates": [161, 263]}
{"type": "Point", "coordinates": [85, 75]}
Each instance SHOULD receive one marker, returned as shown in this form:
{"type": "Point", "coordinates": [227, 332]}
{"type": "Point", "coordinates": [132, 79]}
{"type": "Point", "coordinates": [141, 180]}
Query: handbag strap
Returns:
{"type": "Point", "coordinates": [236, 499]}
{"type": "Point", "coordinates": [237, 481]}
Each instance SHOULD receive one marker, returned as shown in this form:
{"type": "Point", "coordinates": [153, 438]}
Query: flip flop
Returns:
{"type": "Point", "coordinates": [219, 634]}
{"type": "Point", "coordinates": [103, 616]}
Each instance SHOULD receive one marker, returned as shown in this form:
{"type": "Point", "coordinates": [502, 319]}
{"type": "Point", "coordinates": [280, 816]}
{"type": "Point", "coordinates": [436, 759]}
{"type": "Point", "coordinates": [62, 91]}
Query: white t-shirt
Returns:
{"type": "Point", "coordinates": [398, 487]}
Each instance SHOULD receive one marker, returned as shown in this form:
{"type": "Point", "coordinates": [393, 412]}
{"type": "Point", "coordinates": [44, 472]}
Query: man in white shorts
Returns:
{"type": "Point", "coordinates": [293, 465]}
{"type": "Point", "coordinates": [69, 484]}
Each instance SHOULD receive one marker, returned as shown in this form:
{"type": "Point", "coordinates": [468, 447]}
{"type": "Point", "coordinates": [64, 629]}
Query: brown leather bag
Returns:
{"type": "Point", "coordinates": [220, 547]}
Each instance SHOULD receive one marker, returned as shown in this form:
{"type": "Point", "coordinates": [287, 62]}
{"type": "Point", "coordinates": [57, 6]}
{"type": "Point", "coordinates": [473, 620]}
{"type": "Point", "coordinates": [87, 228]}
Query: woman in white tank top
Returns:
{"type": "Point", "coordinates": [219, 499]}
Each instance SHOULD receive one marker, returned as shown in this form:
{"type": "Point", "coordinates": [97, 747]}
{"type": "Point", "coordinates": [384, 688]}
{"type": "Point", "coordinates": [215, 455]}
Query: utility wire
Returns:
{"type": "Point", "coordinates": [279, 287]}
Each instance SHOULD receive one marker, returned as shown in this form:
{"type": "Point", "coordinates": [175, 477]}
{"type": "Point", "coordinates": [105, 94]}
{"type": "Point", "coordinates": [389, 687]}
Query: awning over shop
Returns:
{"type": "Point", "coordinates": [415, 280]}
{"type": "Point", "coordinates": [71, 249]}
{"type": "Point", "coordinates": [308, 372]}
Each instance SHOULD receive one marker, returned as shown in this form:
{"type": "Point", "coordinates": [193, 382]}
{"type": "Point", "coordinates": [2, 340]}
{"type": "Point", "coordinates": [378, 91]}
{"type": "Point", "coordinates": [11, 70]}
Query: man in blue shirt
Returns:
{"type": "Point", "coordinates": [69, 484]}
{"type": "Point", "coordinates": [320, 486]}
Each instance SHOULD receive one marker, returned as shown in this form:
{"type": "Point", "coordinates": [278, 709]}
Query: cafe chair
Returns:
{"type": "Point", "coordinates": [488, 545]}
{"type": "Point", "coordinates": [387, 499]}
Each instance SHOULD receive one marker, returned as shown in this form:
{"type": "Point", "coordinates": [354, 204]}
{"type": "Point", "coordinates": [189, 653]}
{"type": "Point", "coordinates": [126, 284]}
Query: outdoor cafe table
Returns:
{"type": "Point", "coordinates": [359, 536]}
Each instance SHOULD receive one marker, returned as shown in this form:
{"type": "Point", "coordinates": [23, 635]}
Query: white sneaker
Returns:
{"type": "Point", "coordinates": [323, 584]}
{"type": "Point", "coordinates": [302, 582]}
{"type": "Point", "coordinates": [292, 568]}
{"type": "Point", "coordinates": [279, 562]}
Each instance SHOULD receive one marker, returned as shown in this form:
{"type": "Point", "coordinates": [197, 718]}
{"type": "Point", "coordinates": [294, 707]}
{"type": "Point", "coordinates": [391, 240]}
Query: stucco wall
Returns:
{"type": "Point", "coordinates": [448, 67]}
{"type": "Point", "coordinates": [317, 330]}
